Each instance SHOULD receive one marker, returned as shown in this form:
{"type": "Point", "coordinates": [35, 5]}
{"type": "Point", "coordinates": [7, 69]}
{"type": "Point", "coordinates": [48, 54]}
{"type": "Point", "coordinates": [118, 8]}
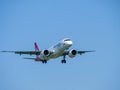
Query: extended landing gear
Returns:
{"type": "Point", "coordinates": [44, 61]}
{"type": "Point", "coordinates": [63, 61]}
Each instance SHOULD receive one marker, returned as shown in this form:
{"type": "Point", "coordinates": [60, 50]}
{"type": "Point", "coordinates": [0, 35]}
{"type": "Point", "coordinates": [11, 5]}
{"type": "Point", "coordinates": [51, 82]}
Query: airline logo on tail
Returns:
{"type": "Point", "coordinates": [37, 49]}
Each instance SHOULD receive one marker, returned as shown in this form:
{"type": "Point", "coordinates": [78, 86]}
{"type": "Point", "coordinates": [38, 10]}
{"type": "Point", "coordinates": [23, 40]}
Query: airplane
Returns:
{"type": "Point", "coordinates": [57, 50]}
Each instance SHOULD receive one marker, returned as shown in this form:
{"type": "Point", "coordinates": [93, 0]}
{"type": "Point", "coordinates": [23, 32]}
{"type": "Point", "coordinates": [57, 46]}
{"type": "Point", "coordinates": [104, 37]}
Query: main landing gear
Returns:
{"type": "Point", "coordinates": [63, 61]}
{"type": "Point", "coordinates": [44, 61]}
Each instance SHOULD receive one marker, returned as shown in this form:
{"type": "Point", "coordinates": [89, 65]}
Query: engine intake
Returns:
{"type": "Point", "coordinates": [72, 53]}
{"type": "Point", "coordinates": [45, 53]}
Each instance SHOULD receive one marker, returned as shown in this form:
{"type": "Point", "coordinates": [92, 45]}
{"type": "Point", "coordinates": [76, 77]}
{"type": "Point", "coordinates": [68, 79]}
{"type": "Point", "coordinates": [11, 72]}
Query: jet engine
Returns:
{"type": "Point", "coordinates": [45, 53]}
{"type": "Point", "coordinates": [72, 53]}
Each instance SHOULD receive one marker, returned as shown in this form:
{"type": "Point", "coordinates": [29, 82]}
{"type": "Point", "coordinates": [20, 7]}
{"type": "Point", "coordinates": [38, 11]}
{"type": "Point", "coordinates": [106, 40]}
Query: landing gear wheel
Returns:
{"type": "Point", "coordinates": [63, 61]}
{"type": "Point", "coordinates": [44, 61]}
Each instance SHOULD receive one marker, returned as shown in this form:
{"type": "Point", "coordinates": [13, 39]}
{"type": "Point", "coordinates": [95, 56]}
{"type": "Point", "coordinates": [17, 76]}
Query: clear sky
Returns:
{"type": "Point", "coordinates": [91, 24]}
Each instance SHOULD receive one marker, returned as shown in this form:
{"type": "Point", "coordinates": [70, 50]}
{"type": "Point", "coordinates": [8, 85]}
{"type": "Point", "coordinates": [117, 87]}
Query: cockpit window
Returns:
{"type": "Point", "coordinates": [67, 40]}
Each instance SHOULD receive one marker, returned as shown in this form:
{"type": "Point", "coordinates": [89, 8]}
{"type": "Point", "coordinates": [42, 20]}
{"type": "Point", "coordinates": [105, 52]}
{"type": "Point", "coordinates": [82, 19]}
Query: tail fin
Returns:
{"type": "Point", "coordinates": [36, 47]}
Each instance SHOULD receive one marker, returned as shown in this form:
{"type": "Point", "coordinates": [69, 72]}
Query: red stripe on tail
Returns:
{"type": "Point", "coordinates": [36, 47]}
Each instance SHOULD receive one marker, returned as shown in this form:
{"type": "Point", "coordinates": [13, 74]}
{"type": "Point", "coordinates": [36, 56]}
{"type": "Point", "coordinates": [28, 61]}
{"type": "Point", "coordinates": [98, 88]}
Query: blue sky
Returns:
{"type": "Point", "coordinates": [91, 24]}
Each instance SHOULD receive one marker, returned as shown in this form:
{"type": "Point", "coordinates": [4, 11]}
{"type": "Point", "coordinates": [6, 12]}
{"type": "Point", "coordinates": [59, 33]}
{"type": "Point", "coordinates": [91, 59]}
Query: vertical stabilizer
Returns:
{"type": "Point", "coordinates": [36, 47]}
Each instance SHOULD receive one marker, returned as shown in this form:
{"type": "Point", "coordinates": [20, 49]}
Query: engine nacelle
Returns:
{"type": "Point", "coordinates": [72, 53]}
{"type": "Point", "coordinates": [45, 53]}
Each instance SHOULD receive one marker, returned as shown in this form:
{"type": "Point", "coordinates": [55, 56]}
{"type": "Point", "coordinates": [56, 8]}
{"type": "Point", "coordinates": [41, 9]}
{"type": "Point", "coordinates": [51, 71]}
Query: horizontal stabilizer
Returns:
{"type": "Point", "coordinates": [30, 58]}
{"type": "Point", "coordinates": [36, 59]}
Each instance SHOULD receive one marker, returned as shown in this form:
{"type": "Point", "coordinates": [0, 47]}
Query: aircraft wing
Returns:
{"type": "Point", "coordinates": [78, 52]}
{"type": "Point", "coordinates": [83, 52]}
{"type": "Point", "coordinates": [25, 52]}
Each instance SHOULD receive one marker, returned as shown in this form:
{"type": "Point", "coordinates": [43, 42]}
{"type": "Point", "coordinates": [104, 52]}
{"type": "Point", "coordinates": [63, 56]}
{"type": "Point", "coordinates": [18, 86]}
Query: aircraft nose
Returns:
{"type": "Point", "coordinates": [69, 43]}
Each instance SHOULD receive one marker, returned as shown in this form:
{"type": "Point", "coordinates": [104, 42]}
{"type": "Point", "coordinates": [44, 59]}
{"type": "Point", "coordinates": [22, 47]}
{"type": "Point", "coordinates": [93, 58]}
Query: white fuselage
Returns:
{"type": "Point", "coordinates": [58, 49]}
